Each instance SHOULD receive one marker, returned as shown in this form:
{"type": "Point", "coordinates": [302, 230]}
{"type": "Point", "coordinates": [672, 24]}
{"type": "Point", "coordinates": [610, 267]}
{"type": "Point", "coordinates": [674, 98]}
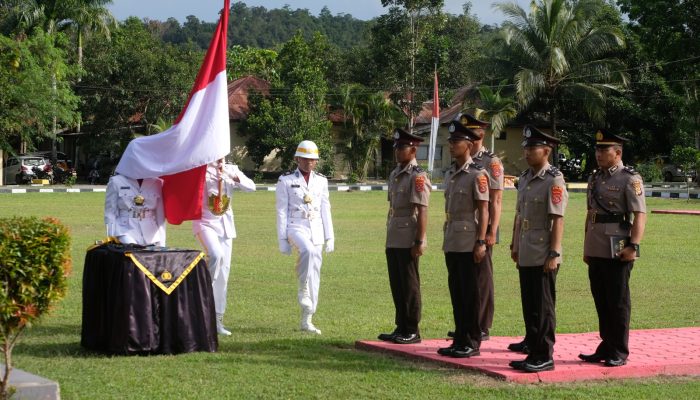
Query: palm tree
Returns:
{"type": "Point", "coordinates": [371, 116]}
{"type": "Point", "coordinates": [496, 108]}
{"type": "Point", "coordinates": [560, 53]}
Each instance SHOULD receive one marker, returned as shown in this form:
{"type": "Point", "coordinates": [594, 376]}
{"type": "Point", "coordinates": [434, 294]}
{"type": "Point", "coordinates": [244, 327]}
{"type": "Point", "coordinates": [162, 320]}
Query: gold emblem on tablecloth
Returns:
{"type": "Point", "coordinates": [218, 205]}
{"type": "Point", "coordinates": [307, 198]}
{"type": "Point", "coordinates": [166, 276]}
{"type": "Point", "coordinates": [139, 200]}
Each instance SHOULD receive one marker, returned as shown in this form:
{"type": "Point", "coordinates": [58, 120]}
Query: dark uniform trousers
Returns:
{"type": "Point", "coordinates": [462, 279]}
{"type": "Point", "coordinates": [485, 281]}
{"type": "Point", "coordinates": [538, 296]}
{"type": "Point", "coordinates": [611, 293]}
{"type": "Point", "coordinates": [404, 281]}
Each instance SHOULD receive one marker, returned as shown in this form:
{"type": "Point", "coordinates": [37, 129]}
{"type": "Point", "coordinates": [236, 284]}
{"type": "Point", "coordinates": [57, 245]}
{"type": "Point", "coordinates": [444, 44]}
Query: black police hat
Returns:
{"type": "Point", "coordinates": [472, 122]}
{"type": "Point", "coordinates": [604, 138]}
{"type": "Point", "coordinates": [403, 138]}
{"type": "Point", "coordinates": [458, 131]}
{"type": "Point", "coordinates": [535, 137]}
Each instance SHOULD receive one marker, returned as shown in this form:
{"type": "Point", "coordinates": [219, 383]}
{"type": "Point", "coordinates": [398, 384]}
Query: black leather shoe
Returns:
{"type": "Point", "coordinates": [538, 366]}
{"type": "Point", "coordinates": [458, 351]}
{"type": "Point", "coordinates": [407, 339]}
{"type": "Point", "coordinates": [388, 337]}
{"type": "Point", "coordinates": [591, 358]}
{"type": "Point", "coordinates": [485, 336]}
{"type": "Point", "coordinates": [451, 334]}
{"type": "Point", "coordinates": [615, 362]}
{"type": "Point", "coordinates": [519, 347]}
{"type": "Point", "coordinates": [518, 364]}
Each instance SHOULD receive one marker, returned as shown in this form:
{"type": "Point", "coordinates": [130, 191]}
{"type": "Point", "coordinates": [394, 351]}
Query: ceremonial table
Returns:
{"type": "Point", "coordinates": [151, 300]}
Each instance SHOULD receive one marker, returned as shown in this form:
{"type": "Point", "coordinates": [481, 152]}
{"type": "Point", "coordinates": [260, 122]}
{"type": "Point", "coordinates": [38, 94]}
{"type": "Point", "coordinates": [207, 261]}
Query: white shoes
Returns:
{"type": "Point", "coordinates": [220, 326]}
{"type": "Point", "coordinates": [307, 325]}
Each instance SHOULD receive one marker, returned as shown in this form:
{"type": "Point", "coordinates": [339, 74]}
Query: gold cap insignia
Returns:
{"type": "Point", "coordinates": [166, 276]}
{"type": "Point", "coordinates": [464, 120]}
{"type": "Point", "coordinates": [599, 136]}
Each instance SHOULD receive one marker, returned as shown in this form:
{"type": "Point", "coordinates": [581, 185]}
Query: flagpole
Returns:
{"type": "Point", "coordinates": [434, 125]}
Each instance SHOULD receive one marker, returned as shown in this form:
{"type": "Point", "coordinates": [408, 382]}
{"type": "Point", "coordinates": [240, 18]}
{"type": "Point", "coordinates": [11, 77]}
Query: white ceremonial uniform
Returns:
{"type": "Point", "coordinates": [304, 221]}
{"type": "Point", "coordinates": [133, 213]}
{"type": "Point", "coordinates": [216, 230]}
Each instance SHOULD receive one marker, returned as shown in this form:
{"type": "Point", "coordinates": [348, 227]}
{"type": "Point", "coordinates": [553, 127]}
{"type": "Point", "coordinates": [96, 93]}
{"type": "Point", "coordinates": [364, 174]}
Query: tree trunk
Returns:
{"type": "Point", "coordinates": [5, 384]}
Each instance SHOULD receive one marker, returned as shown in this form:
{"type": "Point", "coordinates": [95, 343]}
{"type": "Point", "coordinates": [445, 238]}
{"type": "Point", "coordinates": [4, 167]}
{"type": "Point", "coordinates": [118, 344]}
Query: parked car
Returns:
{"type": "Point", "coordinates": [18, 169]}
{"type": "Point", "coordinates": [672, 172]}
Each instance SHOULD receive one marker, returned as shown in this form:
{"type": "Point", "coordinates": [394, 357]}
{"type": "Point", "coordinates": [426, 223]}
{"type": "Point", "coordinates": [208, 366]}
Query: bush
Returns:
{"type": "Point", "coordinates": [34, 262]}
{"type": "Point", "coordinates": [650, 171]}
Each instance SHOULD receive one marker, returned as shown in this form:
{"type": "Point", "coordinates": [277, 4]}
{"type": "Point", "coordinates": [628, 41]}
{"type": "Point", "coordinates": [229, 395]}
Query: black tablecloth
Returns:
{"type": "Point", "coordinates": [127, 308]}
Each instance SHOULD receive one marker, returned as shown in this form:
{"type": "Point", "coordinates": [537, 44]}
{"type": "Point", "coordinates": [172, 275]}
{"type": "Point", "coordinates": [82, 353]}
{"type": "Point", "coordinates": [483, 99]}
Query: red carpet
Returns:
{"type": "Point", "coordinates": [675, 352]}
{"type": "Point", "coordinates": [677, 212]}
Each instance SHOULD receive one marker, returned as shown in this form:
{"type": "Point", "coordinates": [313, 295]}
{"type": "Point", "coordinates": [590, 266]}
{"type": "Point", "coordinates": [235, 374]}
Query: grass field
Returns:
{"type": "Point", "coordinates": [268, 358]}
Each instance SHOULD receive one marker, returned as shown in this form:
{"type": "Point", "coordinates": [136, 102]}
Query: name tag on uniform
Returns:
{"type": "Point", "coordinates": [295, 186]}
{"type": "Point", "coordinates": [124, 187]}
{"type": "Point", "coordinates": [614, 188]}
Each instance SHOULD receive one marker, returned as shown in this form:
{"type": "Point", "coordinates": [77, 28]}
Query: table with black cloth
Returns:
{"type": "Point", "coordinates": [150, 300]}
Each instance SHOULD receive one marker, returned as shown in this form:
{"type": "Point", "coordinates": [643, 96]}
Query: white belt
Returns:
{"type": "Point", "coordinates": [303, 214]}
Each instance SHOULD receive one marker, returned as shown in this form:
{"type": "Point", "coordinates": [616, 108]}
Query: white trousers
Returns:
{"type": "Point", "coordinates": [219, 251]}
{"type": "Point", "coordinates": [308, 263]}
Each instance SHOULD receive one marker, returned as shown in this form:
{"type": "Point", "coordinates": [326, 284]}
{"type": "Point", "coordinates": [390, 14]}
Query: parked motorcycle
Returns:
{"type": "Point", "coordinates": [571, 168]}
{"type": "Point", "coordinates": [43, 173]}
{"type": "Point", "coordinates": [61, 175]}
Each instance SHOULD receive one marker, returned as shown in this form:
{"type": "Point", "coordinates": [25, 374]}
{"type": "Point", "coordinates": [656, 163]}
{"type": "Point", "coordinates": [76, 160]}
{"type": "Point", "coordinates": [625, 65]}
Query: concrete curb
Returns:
{"type": "Point", "coordinates": [31, 386]}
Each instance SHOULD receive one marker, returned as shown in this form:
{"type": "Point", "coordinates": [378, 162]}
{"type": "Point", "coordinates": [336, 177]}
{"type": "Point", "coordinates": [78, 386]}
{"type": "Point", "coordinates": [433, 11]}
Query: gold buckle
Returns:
{"type": "Point", "coordinates": [525, 225]}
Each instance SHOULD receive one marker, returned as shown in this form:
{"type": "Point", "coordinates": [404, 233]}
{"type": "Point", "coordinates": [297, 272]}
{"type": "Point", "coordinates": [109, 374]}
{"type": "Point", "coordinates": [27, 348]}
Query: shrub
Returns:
{"type": "Point", "coordinates": [650, 171]}
{"type": "Point", "coordinates": [34, 262]}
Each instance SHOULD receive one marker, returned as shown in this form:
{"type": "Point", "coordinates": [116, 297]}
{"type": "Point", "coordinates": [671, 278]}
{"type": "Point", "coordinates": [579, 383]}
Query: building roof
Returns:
{"type": "Point", "coordinates": [238, 91]}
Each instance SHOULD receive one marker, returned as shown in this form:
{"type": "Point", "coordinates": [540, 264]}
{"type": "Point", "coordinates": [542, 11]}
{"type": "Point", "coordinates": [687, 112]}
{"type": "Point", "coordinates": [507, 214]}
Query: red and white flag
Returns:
{"type": "Point", "coordinates": [434, 125]}
{"type": "Point", "coordinates": [200, 135]}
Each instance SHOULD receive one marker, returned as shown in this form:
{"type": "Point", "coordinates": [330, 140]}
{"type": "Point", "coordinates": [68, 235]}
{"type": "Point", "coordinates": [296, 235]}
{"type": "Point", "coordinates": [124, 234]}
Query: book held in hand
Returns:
{"type": "Point", "coordinates": [617, 243]}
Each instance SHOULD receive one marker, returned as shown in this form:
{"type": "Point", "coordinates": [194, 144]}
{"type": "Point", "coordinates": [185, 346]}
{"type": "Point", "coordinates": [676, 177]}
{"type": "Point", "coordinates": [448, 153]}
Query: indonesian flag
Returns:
{"type": "Point", "coordinates": [199, 136]}
{"type": "Point", "coordinates": [434, 125]}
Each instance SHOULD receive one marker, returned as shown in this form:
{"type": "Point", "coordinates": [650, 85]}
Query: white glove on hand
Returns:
{"type": "Point", "coordinates": [285, 247]}
{"type": "Point", "coordinates": [330, 245]}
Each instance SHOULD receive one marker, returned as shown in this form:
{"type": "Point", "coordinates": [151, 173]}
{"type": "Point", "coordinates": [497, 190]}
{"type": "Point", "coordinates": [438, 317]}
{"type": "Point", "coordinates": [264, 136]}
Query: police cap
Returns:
{"type": "Point", "coordinates": [403, 138]}
{"type": "Point", "coordinates": [604, 138]}
{"type": "Point", "coordinates": [535, 137]}
{"type": "Point", "coordinates": [459, 131]}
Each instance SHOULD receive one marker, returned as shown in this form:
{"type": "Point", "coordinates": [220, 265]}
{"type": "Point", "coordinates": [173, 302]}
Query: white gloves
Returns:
{"type": "Point", "coordinates": [330, 245]}
{"type": "Point", "coordinates": [285, 247]}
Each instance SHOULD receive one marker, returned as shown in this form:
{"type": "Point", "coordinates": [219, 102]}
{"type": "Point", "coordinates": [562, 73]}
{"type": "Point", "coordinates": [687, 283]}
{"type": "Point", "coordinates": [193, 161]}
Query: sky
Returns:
{"type": "Point", "coordinates": [207, 10]}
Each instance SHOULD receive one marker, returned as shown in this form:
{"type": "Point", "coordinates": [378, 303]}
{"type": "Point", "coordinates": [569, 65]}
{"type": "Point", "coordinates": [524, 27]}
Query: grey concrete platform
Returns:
{"type": "Point", "coordinates": [32, 387]}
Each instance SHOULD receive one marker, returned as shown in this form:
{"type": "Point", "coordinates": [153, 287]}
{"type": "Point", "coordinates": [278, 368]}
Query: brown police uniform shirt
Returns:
{"type": "Point", "coordinates": [540, 195]}
{"type": "Point", "coordinates": [464, 186]}
{"type": "Point", "coordinates": [617, 190]}
{"type": "Point", "coordinates": [408, 187]}
{"type": "Point", "coordinates": [493, 167]}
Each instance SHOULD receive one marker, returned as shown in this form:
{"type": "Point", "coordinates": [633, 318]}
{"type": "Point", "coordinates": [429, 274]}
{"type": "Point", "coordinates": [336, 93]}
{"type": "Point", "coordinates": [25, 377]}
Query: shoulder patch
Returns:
{"type": "Point", "coordinates": [554, 171]}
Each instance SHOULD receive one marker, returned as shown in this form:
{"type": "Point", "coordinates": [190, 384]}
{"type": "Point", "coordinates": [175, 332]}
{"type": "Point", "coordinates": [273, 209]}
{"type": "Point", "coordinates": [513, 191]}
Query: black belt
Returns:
{"type": "Point", "coordinates": [606, 218]}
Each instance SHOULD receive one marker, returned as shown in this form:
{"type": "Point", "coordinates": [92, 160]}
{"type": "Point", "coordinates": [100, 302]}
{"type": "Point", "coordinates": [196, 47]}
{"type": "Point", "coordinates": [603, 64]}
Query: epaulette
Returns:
{"type": "Point", "coordinates": [319, 174]}
{"type": "Point", "coordinates": [524, 172]}
{"type": "Point", "coordinates": [285, 173]}
{"type": "Point", "coordinates": [477, 166]}
{"type": "Point", "coordinates": [630, 170]}
{"type": "Point", "coordinates": [490, 153]}
{"type": "Point", "coordinates": [417, 168]}
{"type": "Point", "coordinates": [554, 171]}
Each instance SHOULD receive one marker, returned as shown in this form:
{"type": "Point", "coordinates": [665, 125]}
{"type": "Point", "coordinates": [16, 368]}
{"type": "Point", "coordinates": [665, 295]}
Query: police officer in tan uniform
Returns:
{"type": "Point", "coordinates": [409, 190]}
{"type": "Point", "coordinates": [466, 220]}
{"type": "Point", "coordinates": [494, 168]}
{"type": "Point", "coordinates": [611, 245]}
{"type": "Point", "coordinates": [536, 249]}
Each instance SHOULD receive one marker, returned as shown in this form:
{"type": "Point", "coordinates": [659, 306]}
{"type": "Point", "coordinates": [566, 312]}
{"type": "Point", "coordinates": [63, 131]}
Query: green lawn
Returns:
{"type": "Point", "coordinates": [268, 358]}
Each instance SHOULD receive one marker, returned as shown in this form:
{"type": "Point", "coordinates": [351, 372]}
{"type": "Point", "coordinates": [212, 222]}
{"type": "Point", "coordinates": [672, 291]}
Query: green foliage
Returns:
{"type": "Point", "coordinates": [686, 157]}
{"type": "Point", "coordinates": [297, 108]}
{"type": "Point", "coordinates": [34, 262]}
{"type": "Point", "coordinates": [243, 61]}
{"type": "Point", "coordinates": [28, 101]}
{"type": "Point", "coordinates": [650, 171]}
{"type": "Point", "coordinates": [561, 50]}
{"type": "Point", "coordinates": [496, 108]}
